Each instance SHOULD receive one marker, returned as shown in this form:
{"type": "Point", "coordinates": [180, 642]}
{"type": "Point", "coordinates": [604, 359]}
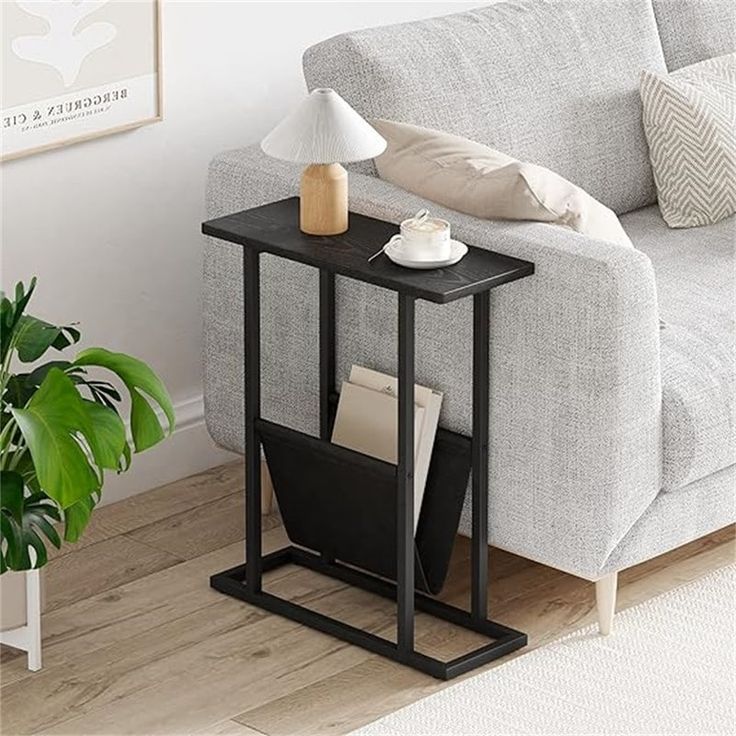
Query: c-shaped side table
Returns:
{"type": "Point", "coordinates": [273, 229]}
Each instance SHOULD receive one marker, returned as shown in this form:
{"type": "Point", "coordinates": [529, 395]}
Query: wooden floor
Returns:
{"type": "Point", "coordinates": [136, 642]}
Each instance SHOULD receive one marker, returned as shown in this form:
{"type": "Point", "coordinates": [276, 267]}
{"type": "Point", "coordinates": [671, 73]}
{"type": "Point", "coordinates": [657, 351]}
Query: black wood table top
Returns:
{"type": "Point", "coordinates": [274, 228]}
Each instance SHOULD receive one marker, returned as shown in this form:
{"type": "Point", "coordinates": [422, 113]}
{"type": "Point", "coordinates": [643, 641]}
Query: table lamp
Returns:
{"type": "Point", "coordinates": [322, 132]}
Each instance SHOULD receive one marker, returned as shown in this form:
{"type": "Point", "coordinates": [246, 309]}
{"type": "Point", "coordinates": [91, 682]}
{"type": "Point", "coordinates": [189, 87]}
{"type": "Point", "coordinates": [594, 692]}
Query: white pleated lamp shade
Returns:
{"type": "Point", "coordinates": [324, 129]}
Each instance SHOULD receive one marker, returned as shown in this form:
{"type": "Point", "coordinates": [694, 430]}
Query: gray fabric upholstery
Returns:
{"type": "Point", "coordinates": [695, 30]}
{"type": "Point", "coordinates": [677, 518]}
{"type": "Point", "coordinates": [553, 83]}
{"type": "Point", "coordinates": [695, 285]}
{"type": "Point", "coordinates": [573, 347]}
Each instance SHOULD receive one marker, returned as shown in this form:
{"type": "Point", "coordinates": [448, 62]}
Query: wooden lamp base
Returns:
{"type": "Point", "coordinates": [323, 205]}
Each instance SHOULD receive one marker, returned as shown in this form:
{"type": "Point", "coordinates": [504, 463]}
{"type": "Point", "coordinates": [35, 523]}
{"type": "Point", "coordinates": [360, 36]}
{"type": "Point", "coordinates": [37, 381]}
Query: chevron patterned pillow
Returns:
{"type": "Point", "coordinates": [690, 124]}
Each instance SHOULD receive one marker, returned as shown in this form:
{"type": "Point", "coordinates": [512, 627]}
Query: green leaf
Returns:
{"type": "Point", "coordinates": [21, 533]}
{"type": "Point", "coordinates": [18, 391]}
{"type": "Point", "coordinates": [35, 516]}
{"type": "Point", "coordinates": [11, 494]}
{"type": "Point", "coordinates": [11, 313]}
{"type": "Point", "coordinates": [32, 540]}
{"type": "Point", "coordinates": [36, 376]}
{"type": "Point", "coordinates": [11, 543]}
{"type": "Point", "coordinates": [52, 423]}
{"type": "Point", "coordinates": [126, 458]}
{"type": "Point", "coordinates": [22, 386]}
{"type": "Point", "coordinates": [76, 518]}
{"type": "Point", "coordinates": [107, 439]}
{"type": "Point", "coordinates": [26, 468]}
{"type": "Point", "coordinates": [144, 424]}
{"type": "Point", "coordinates": [103, 392]}
{"type": "Point", "coordinates": [67, 336]}
{"type": "Point", "coordinates": [34, 338]}
{"type": "Point", "coordinates": [7, 312]}
{"type": "Point", "coordinates": [143, 385]}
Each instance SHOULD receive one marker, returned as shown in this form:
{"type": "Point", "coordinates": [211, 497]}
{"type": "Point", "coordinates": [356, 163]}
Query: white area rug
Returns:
{"type": "Point", "coordinates": [668, 667]}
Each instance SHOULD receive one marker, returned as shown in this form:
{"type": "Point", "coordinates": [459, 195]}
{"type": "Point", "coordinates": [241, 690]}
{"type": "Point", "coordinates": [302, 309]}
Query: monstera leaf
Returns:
{"type": "Point", "coordinates": [11, 314]}
{"type": "Point", "coordinates": [23, 519]}
{"type": "Point", "coordinates": [34, 337]}
{"type": "Point", "coordinates": [144, 386]}
{"type": "Point", "coordinates": [76, 518]}
{"type": "Point", "coordinates": [107, 439]}
{"type": "Point", "coordinates": [71, 439]}
{"type": "Point", "coordinates": [57, 428]}
{"type": "Point", "coordinates": [21, 386]}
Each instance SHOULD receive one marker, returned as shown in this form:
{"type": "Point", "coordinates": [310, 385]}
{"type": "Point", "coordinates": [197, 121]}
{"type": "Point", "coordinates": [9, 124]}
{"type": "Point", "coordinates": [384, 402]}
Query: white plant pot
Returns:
{"type": "Point", "coordinates": [20, 613]}
{"type": "Point", "coordinates": [12, 600]}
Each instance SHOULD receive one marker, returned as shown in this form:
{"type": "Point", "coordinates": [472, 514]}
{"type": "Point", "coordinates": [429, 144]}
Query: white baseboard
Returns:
{"type": "Point", "coordinates": [187, 451]}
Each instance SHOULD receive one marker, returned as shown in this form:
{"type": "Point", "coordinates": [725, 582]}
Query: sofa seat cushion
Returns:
{"type": "Point", "coordinates": [695, 286]}
{"type": "Point", "coordinates": [555, 83]}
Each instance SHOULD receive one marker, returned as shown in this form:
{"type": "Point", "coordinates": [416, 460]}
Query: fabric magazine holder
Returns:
{"type": "Point", "coordinates": [342, 504]}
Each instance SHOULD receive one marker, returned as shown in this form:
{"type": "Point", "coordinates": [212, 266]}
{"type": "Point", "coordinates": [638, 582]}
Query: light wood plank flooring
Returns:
{"type": "Point", "coordinates": [136, 642]}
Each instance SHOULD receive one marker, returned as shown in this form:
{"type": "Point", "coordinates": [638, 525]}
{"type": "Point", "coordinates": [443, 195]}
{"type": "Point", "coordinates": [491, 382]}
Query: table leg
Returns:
{"type": "Point", "coordinates": [479, 550]}
{"type": "Point", "coordinates": [405, 479]}
{"type": "Point", "coordinates": [326, 349]}
{"type": "Point", "coordinates": [252, 326]}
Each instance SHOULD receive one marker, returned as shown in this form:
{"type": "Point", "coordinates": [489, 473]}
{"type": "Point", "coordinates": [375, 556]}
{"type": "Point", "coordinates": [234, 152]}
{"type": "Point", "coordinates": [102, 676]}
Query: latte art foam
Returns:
{"type": "Point", "coordinates": [428, 226]}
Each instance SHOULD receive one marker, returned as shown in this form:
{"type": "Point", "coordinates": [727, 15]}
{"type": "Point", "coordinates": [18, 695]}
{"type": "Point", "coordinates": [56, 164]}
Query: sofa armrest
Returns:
{"type": "Point", "coordinates": [575, 376]}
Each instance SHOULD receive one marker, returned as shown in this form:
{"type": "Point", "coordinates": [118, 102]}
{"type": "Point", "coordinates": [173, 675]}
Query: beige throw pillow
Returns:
{"type": "Point", "coordinates": [690, 124]}
{"type": "Point", "coordinates": [472, 178]}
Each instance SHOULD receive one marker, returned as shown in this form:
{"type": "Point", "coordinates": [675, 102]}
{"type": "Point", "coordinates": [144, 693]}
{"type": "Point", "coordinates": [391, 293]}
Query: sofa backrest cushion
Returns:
{"type": "Point", "coordinates": [695, 30]}
{"type": "Point", "coordinates": [552, 82]}
{"type": "Point", "coordinates": [469, 177]}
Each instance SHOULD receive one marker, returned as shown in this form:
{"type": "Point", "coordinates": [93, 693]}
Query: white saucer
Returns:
{"type": "Point", "coordinates": [457, 251]}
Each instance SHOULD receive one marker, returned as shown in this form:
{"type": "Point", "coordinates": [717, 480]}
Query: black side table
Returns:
{"type": "Point", "coordinates": [273, 229]}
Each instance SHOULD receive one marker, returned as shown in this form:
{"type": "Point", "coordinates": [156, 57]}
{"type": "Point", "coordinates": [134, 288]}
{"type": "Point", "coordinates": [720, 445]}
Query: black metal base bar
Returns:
{"type": "Point", "coordinates": [232, 582]}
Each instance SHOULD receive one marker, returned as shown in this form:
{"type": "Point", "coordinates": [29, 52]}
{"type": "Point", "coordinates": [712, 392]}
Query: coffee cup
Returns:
{"type": "Point", "coordinates": [423, 238]}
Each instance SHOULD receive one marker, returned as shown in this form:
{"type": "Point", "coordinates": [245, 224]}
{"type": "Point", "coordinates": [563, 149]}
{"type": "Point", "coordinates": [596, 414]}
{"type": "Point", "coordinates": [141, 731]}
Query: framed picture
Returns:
{"type": "Point", "coordinates": [77, 69]}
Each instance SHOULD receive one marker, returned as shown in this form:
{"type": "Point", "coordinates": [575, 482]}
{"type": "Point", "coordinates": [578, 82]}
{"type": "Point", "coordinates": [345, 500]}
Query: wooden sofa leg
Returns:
{"type": "Point", "coordinates": [605, 599]}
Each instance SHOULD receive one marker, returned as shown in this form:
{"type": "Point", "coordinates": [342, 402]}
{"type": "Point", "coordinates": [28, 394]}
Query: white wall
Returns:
{"type": "Point", "coordinates": [111, 226]}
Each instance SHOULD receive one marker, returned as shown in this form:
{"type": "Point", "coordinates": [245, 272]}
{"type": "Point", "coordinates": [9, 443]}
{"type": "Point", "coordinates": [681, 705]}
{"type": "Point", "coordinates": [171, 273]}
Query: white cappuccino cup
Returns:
{"type": "Point", "coordinates": [423, 238]}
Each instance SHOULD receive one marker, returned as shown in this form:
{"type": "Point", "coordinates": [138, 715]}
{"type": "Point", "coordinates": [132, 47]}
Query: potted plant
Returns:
{"type": "Point", "coordinates": [60, 430]}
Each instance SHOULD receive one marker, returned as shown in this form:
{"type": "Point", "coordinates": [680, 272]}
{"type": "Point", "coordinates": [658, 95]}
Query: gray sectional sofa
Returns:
{"type": "Point", "coordinates": [612, 438]}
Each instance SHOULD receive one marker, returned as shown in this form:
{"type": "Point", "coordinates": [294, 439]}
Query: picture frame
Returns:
{"type": "Point", "coordinates": [54, 95]}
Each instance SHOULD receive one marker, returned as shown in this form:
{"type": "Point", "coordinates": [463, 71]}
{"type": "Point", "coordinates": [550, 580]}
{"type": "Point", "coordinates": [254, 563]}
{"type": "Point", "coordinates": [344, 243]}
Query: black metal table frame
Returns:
{"type": "Point", "coordinates": [245, 581]}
